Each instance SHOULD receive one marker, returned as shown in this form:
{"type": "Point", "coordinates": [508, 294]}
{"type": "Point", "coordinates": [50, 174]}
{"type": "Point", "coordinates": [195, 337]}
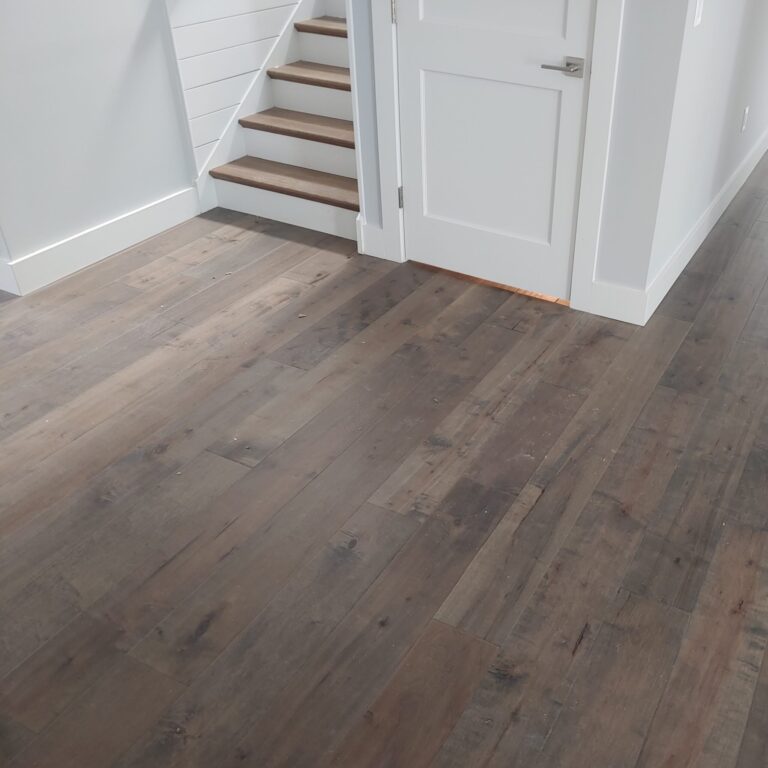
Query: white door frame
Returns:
{"type": "Point", "coordinates": [586, 292]}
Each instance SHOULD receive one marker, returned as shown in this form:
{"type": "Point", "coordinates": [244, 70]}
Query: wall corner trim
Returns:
{"type": "Point", "coordinates": [8, 279]}
{"type": "Point", "coordinates": [45, 266]}
{"type": "Point", "coordinates": [372, 241]}
{"type": "Point", "coordinates": [635, 305]}
{"type": "Point", "coordinates": [618, 302]}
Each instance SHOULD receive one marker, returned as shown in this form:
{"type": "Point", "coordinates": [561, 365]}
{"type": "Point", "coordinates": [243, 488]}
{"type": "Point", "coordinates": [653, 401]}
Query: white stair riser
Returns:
{"type": "Point", "coordinates": [313, 99]}
{"type": "Point", "coordinates": [301, 152]}
{"type": "Point", "coordinates": [336, 8]}
{"type": "Point", "coordinates": [291, 210]}
{"type": "Point", "coordinates": [324, 49]}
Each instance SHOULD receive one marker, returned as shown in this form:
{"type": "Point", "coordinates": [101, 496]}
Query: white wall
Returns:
{"type": "Point", "coordinates": [723, 69]}
{"type": "Point", "coordinates": [92, 128]}
{"type": "Point", "coordinates": [645, 92]}
{"type": "Point", "coordinates": [221, 45]}
{"type": "Point", "coordinates": [677, 154]}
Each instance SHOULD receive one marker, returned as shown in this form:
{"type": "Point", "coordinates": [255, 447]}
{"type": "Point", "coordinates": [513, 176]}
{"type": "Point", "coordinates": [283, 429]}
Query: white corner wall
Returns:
{"type": "Point", "coordinates": [723, 70]}
{"type": "Point", "coordinates": [677, 153]}
{"type": "Point", "coordinates": [94, 151]}
{"type": "Point", "coordinates": [645, 94]}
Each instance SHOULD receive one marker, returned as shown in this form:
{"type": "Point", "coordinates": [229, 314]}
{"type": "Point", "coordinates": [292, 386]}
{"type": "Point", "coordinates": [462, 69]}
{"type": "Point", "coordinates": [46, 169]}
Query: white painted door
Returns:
{"type": "Point", "coordinates": [491, 142]}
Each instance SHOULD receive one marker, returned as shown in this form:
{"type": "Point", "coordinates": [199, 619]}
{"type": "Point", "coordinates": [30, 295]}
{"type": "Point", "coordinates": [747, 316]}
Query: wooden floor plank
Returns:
{"type": "Point", "coordinates": [265, 501]}
{"type": "Point", "coordinates": [754, 745]}
{"type": "Point", "coordinates": [62, 299]}
{"type": "Point", "coordinates": [100, 726]}
{"type": "Point", "coordinates": [722, 318]}
{"type": "Point", "coordinates": [149, 594]}
{"type": "Point", "coordinates": [353, 666]}
{"type": "Point", "coordinates": [259, 321]}
{"type": "Point", "coordinates": [557, 627]}
{"type": "Point", "coordinates": [423, 480]}
{"type": "Point", "coordinates": [614, 698]}
{"type": "Point", "coordinates": [321, 338]}
{"type": "Point", "coordinates": [203, 625]}
{"type": "Point", "coordinates": [53, 533]}
{"type": "Point", "coordinates": [273, 650]}
{"type": "Point", "coordinates": [13, 739]}
{"type": "Point", "coordinates": [570, 473]}
{"type": "Point", "coordinates": [702, 717]}
{"type": "Point", "coordinates": [46, 683]}
{"type": "Point", "coordinates": [413, 715]}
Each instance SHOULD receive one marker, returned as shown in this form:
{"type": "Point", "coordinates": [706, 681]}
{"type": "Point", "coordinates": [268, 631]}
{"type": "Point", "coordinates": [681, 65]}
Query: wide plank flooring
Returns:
{"type": "Point", "coordinates": [267, 502]}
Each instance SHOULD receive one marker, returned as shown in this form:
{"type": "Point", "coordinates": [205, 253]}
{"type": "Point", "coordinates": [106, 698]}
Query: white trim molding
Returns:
{"type": "Point", "coordinates": [609, 20]}
{"type": "Point", "coordinates": [372, 241]}
{"type": "Point", "coordinates": [8, 279]}
{"type": "Point", "coordinates": [587, 293]}
{"type": "Point", "coordinates": [388, 126]}
{"type": "Point", "coordinates": [45, 266]}
{"type": "Point", "coordinates": [8, 282]}
{"type": "Point", "coordinates": [635, 305]}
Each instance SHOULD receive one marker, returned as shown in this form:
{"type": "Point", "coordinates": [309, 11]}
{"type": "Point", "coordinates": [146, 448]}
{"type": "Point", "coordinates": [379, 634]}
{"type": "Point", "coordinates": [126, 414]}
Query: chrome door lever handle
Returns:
{"type": "Point", "coordinates": [573, 67]}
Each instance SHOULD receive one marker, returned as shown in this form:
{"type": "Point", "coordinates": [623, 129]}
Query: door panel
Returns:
{"type": "Point", "coordinates": [537, 17]}
{"type": "Point", "coordinates": [491, 142]}
{"type": "Point", "coordinates": [464, 189]}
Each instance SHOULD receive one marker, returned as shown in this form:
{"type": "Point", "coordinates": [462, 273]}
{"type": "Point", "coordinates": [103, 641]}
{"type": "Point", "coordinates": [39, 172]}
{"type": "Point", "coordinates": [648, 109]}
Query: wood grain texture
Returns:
{"type": "Point", "coordinates": [416, 711]}
{"type": "Point", "coordinates": [324, 25]}
{"type": "Point", "coordinates": [328, 130]}
{"type": "Point", "coordinates": [86, 734]}
{"type": "Point", "coordinates": [706, 706]}
{"type": "Point", "coordinates": [318, 186]}
{"type": "Point", "coordinates": [266, 502]}
{"type": "Point", "coordinates": [312, 73]}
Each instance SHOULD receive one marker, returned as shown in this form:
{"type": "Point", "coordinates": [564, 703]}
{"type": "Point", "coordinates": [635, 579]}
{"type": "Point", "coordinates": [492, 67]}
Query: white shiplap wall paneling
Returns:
{"type": "Point", "coordinates": [209, 127]}
{"type": "Point", "coordinates": [221, 45]}
{"type": "Point", "coordinates": [197, 39]}
{"type": "Point", "coordinates": [185, 12]}
{"type": "Point", "coordinates": [222, 64]}
{"type": "Point", "coordinates": [214, 96]}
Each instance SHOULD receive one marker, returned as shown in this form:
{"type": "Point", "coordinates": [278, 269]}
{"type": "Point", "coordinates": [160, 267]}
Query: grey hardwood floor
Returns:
{"type": "Point", "coordinates": [267, 502]}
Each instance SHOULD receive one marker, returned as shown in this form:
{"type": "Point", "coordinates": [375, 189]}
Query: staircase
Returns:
{"type": "Point", "coordinates": [300, 165]}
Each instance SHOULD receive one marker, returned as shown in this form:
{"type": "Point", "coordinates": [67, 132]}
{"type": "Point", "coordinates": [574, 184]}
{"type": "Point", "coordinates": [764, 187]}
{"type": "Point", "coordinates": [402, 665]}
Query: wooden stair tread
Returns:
{"type": "Point", "coordinates": [302, 125]}
{"type": "Point", "coordinates": [324, 25]}
{"type": "Point", "coordinates": [311, 73]}
{"type": "Point", "coordinates": [321, 187]}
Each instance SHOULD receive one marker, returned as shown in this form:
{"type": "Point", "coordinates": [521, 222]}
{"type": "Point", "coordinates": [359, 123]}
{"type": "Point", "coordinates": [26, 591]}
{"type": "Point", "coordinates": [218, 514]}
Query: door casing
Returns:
{"type": "Point", "coordinates": [587, 293]}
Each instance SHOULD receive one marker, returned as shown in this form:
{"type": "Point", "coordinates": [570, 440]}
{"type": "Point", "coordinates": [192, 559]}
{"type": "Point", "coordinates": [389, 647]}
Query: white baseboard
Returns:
{"type": "Point", "coordinates": [665, 279]}
{"type": "Point", "coordinates": [372, 241]}
{"type": "Point", "coordinates": [633, 305]}
{"type": "Point", "coordinates": [618, 302]}
{"type": "Point", "coordinates": [8, 279]}
{"type": "Point", "coordinates": [53, 262]}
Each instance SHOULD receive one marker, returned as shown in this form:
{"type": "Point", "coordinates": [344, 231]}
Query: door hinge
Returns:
{"type": "Point", "coordinates": [393, 5]}
{"type": "Point", "coordinates": [400, 196]}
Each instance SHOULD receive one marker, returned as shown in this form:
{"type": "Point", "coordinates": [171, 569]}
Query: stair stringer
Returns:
{"type": "Point", "coordinates": [258, 97]}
